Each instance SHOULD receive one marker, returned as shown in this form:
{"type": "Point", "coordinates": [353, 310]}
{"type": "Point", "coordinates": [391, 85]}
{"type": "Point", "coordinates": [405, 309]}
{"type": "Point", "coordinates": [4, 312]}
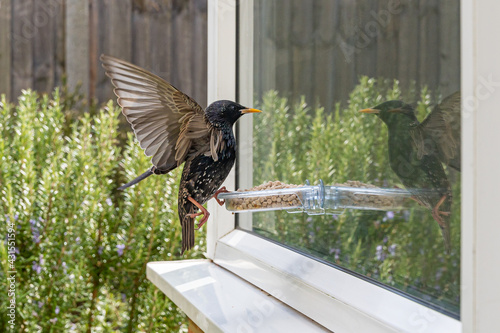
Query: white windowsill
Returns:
{"type": "Point", "coordinates": [333, 298]}
{"type": "Point", "coordinates": [219, 301]}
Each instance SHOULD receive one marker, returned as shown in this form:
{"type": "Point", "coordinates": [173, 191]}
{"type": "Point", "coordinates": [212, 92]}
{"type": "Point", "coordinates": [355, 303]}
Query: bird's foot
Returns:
{"type": "Point", "coordinates": [202, 221]}
{"type": "Point", "coordinates": [436, 214]}
{"type": "Point", "coordinates": [221, 190]}
{"type": "Point", "coordinates": [203, 212]}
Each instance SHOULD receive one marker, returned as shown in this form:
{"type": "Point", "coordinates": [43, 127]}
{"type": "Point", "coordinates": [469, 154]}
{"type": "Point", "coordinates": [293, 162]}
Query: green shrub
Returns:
{"type": "Point", "coordinates": [81, 246]}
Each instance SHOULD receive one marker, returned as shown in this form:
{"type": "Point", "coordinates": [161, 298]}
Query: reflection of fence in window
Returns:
{"type": "Point", "coordinates": [320, 51]}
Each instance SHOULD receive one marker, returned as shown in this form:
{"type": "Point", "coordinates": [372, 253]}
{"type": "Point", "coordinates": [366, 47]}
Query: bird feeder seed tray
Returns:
{"type": "Point", "coordinates": [315, 199]}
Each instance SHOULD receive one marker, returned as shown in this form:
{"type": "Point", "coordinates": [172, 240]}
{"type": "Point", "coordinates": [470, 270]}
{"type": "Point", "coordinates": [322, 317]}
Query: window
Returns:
{"type": "Point", "coordinates": [315, 65]}
{"type": "Point", "coordinates": [333, 292]}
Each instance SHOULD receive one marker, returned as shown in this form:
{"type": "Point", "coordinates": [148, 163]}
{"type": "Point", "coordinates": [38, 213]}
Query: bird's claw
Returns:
{"type": "Point", "coordinates": [202, 221]}
{"type": "Point", "coordinates": [221, 190]}
{"type": "Point", "coordinates": [436, 213]}
{"type": "Point", "coordinates": [203, 212]}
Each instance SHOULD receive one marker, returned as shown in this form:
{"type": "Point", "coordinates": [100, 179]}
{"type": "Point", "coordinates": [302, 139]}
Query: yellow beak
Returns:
{"type": "Point", "coordinates": [250, 111]}
{"type": "Point", "coordinates": [370, 111]}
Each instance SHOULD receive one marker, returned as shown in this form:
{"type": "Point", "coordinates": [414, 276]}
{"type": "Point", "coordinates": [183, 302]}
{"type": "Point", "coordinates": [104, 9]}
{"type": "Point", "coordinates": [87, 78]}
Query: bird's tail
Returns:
{"type": "Point", "coordinates": [138, 179]}
{"type": "Point", "coordinates": [187, 233]}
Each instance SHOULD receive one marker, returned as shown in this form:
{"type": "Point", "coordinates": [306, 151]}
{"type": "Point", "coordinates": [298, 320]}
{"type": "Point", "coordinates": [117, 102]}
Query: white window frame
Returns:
{"type": "Point", "coordinates": [338, 300]}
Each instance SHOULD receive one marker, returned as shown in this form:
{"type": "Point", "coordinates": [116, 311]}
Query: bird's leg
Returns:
{"type": "Point", "coordinates": [203, 212]}
{"type": "Point", "coordinates": [436, 213]}
{"type": "Point", "coordinates": [221, 190]}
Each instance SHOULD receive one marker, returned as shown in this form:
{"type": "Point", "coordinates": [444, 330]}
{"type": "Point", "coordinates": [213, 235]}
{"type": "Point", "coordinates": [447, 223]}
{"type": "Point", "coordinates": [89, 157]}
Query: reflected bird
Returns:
{"type": "Point", "coordinates": [172, 128]}
{"type": "Point", "coordinates": [417, 151]}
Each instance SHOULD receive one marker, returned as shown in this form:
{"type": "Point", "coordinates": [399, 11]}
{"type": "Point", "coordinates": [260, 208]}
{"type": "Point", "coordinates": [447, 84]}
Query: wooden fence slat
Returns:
{"type": "Point", "coordinates": [449, 42]}
{"type": "Point", "coordinates": [163, 43]}
{"type": "Point", "coordinates": [5, 47]}
{"type": "Point", "coordinates": [199, 51]}
{"type": "Point", "coordinates": [115, 39]}
{"type": "Point", "coordinates": [324, 50]}
{"type": "Point", "coordinates": [141, 38]}
{"type": "Point", "coordinates": [77, 44]}
{"type": "Point", "coordinates": [23, 32]}
{"type": "Point", "coordinates": [408, 66]}
{"type": "Point", "coordinates": [267, 47]}
{"type": "Point", "coordinates": [43, 52]}
{"type": "Point", "coordinates": [343, 61]}
{"type": "Point", "coordinates": [366, 44]}
{"type": "Point", "coordinates": [59, 42]}
{"type": "Point", "coordinates": [429, 44]}
{"type": "Point", "coordinates": [182, 35]}
{"type": "Point", "coordinates": [387, 41]}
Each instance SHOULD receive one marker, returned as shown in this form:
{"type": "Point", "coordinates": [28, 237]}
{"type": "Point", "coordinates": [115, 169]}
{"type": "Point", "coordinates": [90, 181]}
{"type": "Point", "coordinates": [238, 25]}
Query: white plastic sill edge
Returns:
{"type": "Point", "coordinates": [219, 301]}
{"type": "Point", "coordinates": [331, 297]}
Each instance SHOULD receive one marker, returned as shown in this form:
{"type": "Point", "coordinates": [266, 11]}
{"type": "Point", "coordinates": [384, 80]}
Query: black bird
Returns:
{"type": "Point", "coordinates": [416, 151]}
{"type": "Point", "coordinates": [172, 128]}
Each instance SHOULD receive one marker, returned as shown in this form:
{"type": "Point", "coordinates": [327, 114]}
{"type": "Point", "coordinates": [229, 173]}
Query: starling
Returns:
{"type": "Point", "coordinates": [417, 151]}
{"type": "Point", "coordinates": [172, 128]}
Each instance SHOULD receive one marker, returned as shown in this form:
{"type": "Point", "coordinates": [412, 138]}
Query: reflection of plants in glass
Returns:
{"type": "Point", "coordinates": [82, 247]}
{"type": "Point", "coordinates": [402, 248]}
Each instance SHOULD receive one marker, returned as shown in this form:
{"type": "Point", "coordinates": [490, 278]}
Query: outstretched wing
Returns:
{"type": "Point", "coordinates": [439, 133]}
{"type": "Point", "coordinates": [166, 122]}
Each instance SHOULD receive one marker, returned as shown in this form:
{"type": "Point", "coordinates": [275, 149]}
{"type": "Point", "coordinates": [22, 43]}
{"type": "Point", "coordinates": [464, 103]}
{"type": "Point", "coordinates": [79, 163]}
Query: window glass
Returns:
{"type": "Point", "coordinates": [316, 64]}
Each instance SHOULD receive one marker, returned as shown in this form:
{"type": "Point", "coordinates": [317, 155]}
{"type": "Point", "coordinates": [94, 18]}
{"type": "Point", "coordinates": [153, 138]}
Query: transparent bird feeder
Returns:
{"type": "Point", "coordinates": [316, 199]}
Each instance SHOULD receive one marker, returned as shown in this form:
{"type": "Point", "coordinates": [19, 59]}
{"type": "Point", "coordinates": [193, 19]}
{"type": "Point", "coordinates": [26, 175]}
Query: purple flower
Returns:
{"type": "Point", "coordinates": [379, 253]}
{"type": "Point", "coordinates": [77, 240]}
{"type": "Point", "coordinates": [16, 217]}
{"type": "Point", "coordinates": [109, 202]}
{"type": "Point", "coordinates": [390, 215]}
{"type": "Point", "coordinates": [36, 267]}
{"type": "Point", "coordinates": [53, 320]}
{"type": "Point", "coordinates": [392, 249]}
{"type": "Point", "coordinates": [57, 310]}
{"type": "Point", "coordinates": [120, 248]}
{"type": "Point", "coordinates": [124, 297]}
{"type": "Point", "coordinates": [65, 267]}
{"type": "Point", "coordinates": [385, 239]}
{"type": "Point", "coordinates": [99, 250]}
{"type": "Point", "coordinates": [40, 304]}
{"type": "Point", "coordinates": [35, 230]}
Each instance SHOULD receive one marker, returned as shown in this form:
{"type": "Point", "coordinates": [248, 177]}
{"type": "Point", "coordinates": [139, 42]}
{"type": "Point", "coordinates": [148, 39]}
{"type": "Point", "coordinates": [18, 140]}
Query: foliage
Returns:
{"type": "Point", "coordinates": [403, 249]}
{"type": "Point", "coordinates": [81, 246]}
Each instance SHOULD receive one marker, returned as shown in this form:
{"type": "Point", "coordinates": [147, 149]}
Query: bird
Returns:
{"type": "Point", "coordinates": [417, 152]}
{"type": "Point", "coordinates": [174, 129]}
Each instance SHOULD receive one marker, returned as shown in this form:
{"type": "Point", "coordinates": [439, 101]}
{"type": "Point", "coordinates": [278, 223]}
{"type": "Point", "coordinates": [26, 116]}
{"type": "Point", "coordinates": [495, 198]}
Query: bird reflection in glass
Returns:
{"type": "Point", "coordinates": [417, 151]}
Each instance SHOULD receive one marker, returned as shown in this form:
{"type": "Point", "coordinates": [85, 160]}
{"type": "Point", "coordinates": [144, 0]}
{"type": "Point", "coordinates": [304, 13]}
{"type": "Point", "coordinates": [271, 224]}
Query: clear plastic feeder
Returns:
{"type": "Point", "coordinates": [316, 199]}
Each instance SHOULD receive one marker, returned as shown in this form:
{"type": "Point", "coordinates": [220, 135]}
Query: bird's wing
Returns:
{"type": "Point", "coordinates": [440, 132]}
{"type": "Point", "coordinates": [165, 121]}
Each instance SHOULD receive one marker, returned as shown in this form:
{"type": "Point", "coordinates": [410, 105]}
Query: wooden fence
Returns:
{"type": "Point", "coordinates": [40, 40]}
